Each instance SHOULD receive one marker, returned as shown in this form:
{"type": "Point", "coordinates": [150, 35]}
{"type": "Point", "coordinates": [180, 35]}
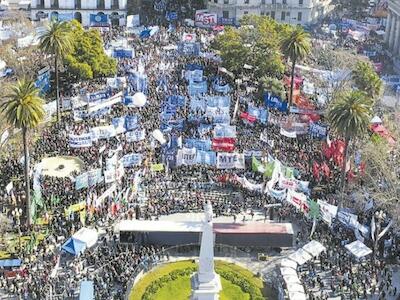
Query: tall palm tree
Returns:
{"type": "Point", "coordinates": [366, 79]}
{"type": "Point", "coordinates": [56, 41]}
{"type": "Point", "coordinates": [295, 46]}
{"type": "Point", "coordinates": [23, 109]}
{"type": "Point", "coordinates": [349, 116]}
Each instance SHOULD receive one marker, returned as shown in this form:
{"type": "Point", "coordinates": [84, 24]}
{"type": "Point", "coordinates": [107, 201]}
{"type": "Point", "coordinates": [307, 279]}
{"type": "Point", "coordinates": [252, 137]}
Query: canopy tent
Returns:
{"type": "Point", "coordinates": [86, 235]}
{"type": "Point", "coordinates": [74, 246]}
{"type": "Point", "coordinates": [10, 263]}
{"type": "Point", "coordinates": [314, 248]}
{"type": "Point", "coordinates": [358, 249]}
{"type": "Point", "coordinates": [288, 263]}
{"type": "Point", "coordinates": [376, 120]}
{"type": "Point", "coordinates": [86, 291]}
{"type": "Point", "coordinates": [300, 256]}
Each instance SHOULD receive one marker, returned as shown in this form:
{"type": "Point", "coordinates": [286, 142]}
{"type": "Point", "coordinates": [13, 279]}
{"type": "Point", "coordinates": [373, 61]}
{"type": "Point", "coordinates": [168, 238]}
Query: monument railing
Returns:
{"type": "Point", "coordinates": [181, 252]}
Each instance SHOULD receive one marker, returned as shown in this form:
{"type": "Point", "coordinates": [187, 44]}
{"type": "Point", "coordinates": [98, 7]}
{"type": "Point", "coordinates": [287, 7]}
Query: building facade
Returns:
{"type": "Point", "coordinates": [392, 36]}
{"type": "Point", "coordinates": [295, 12]}
{"type": "Point", "coordinates": [88, 12]}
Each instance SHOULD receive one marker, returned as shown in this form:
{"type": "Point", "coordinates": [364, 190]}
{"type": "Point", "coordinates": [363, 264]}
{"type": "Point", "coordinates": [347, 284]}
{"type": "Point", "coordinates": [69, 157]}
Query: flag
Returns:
{"type": "Point", "coordinates": [82, 216]}
{"type": "Point", "coordinates": [269, 169]}
{"type": "Point", "coordinates": [315, 169]}
{"type": "Point", "coordinates": [325, 169]}
{"type": "Point", "coordinates": [256, 166]}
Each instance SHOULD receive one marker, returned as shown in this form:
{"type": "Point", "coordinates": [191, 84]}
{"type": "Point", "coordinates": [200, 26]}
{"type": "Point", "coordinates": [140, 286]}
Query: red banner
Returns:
{"type": "Point", "coordinates": [248, 117]}
{"type": "Point", "coordinates": [315, 169]}
{"type": "Point", "coordinates": [223, 144]}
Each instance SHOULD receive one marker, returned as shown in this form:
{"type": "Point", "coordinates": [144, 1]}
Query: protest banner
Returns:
{"type": "Point", "coordinates": [109, 175]}
{"type": "Point", "coordinates": [223, 144]}
{"type": "Point", "coordinates": [246, 116]}
{"type": "Point", "coordinates": [131, 122]}
{"type": "Point", "coordinates": [157, 167]}
{"type": "Point", "coordinates": [205, 20]}
{"type": "Point", "coordinates": [298, 200]}
{"type": "Point", "coordinates": [327, 211]}
{"type": "Point", "coordinates": [80, 141]}
{"type": "Point", "coordinates": [103, 132]}
{"type": "Point", "coordinates": [135, 135]}
{"type": "Point", "coordinates": [230, 160]}
{"type": "Point", "coordinates": [206, 157]}
{"type": "Point", "coordinates": [81, 181]}
{"type": "Point", "coordinates": [224, 130]}
{"type": "Point", "coordinates": [94, 177]}
{"type": "Point", "coordinates": [318, 131]}
{"type": "Point", "coordinates": [189, 48]}
{"type": "Point", "coordinates": [285, 183]}
{"type": "Point", "coordinates": [119, 125]}
{"type": "Point", "coordinates": [275, 102]}
{"type": "Point", "coordinates": [199, 144]}
{"type": "Point", "coordinates": [289, 134]}
{"type": "Point", "coordinates": [186, 156]}
{"type": "Point", "coordinates": [132, 159]}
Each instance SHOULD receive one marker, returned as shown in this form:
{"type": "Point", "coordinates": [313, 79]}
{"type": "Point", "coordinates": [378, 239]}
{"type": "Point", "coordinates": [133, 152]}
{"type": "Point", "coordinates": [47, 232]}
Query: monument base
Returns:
{"type": "Point", "coordinates": [205, 291]}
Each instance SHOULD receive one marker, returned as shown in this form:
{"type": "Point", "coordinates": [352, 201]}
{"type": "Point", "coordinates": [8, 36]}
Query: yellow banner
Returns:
{"type": "Point", "coordinates": [75, 207]}
{"type": "Point", "coordinates": [157, 167]}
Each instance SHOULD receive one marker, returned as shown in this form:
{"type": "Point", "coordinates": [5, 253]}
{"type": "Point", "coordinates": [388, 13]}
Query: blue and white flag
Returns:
{"type": "Point", "coordinates": [197, 103]}
{"type": "Point", "coordinates": [119, 124]}
{"type": "Point", "coordinates": [197, 87]}
{"type": "Point", "coordinates": [189, 49]}
{"type": "Point", "coordinates": [224, 130]}
{"type": "Point", "coordinates": [80, 141]}
{"type": "Point", "coordinates": [103, 132]}
{"type": "Point", "coordinates": [132, 159]}
{"type": "Point", "coordinates": [172, 15]}
{"type": "Point", "coordinates": [219, 87]}
{"type": "Point", "coordinates": [206, 157]}
{"type": "Point", "coordinates": [81, 181]}
{"type": "Point", "coordinates": [275, 102]}
{"type": "Point", "coordinates": [135, 135]}
{"type": "Point", "coordinates": [94, 177]}
{"type": "Point", "coordinates": [204, 145]}
{"type": "Point", "coordinates": [318, 131]}
{"type": "Point", "coordinates": [131, 122]}
{"type": "Point", "coordinates": [218, 101]}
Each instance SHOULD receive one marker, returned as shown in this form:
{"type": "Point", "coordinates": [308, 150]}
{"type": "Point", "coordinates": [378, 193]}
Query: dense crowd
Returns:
{"type": "Point", "coordinates": [182, 189]}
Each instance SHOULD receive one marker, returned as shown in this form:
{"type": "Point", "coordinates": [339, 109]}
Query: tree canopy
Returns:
{"type": "Point", "coordinates": [255, 43]}
{"type": "Point", "coordinates": [88, 59]}
{"type": "Point", "coordinates": [366, 79]}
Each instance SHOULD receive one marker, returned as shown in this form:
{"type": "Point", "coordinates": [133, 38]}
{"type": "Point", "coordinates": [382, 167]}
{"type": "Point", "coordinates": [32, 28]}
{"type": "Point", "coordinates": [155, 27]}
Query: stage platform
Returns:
{"type": "Point", "coordinates": [168, 233]}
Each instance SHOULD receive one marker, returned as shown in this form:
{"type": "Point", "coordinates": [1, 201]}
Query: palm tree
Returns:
{"type": "Point", "coordinates": [56, 41]}
{"type": "Point", "coordinates": [295, 46]}
{"type": "Point", "coordinates": [23, 109]}
{"type": "Point", "coordinates": [349, 116]}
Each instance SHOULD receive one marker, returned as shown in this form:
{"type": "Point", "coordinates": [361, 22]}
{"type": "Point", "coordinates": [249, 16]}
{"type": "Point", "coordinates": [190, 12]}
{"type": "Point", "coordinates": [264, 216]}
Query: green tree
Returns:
{"type": "Point", "coordinates": [349, 116]}
{"type": "Point", "coordinates": [295, 46]}
{"type": "Point", "coordinates": [23, 109]}
{"type": "Point", "coordinates": [88, 59]}
{"type": "Point", "coordinates": [56, 41]}
{"type": "Point", "coordinates": [272, 85]}
{"type": "Point", "coordinates": [367, 80]}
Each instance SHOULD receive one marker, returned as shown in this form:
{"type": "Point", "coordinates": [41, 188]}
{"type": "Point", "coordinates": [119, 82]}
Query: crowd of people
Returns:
{"type": "Point", "coordinates": [182, 189]}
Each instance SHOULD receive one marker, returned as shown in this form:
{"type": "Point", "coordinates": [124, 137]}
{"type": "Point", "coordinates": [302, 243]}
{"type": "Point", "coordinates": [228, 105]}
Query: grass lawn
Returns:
{"type": "Point", "coordinates": [180, 289]}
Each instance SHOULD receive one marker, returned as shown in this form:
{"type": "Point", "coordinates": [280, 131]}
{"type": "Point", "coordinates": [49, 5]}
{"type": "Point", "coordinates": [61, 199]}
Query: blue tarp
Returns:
{"type": "Point", "coordinates": [10, 263]}
{"type": "Point", "coordinates": [87, 290]}
{"type": "Point", "coordinates": [74, 246]}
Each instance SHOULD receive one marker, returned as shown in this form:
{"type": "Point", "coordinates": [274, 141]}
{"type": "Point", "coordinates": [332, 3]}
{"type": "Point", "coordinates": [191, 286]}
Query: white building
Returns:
{"type": "Point", "coordinates": [88, 12]}
{"type": "Point", "coordinates": [296, 12]}
{"type": "Point", "coordinates": [392, 37]}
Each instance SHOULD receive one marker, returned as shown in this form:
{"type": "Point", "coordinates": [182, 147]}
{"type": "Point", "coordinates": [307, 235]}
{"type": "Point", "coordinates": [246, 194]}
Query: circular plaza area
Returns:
{"type": "Point", "coordinates": [172, 281]}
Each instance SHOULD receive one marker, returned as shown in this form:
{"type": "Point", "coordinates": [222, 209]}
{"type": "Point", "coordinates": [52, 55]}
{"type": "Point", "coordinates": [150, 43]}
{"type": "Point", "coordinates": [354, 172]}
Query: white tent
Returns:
{"type": "Point", "coordinates": [297, 296]}
{"type": "Point", "coordinates": [288, 272]}
{"type": "Point", "coordinates": [288, 263]}
{"type": "Point", "coordinates": [300, 256]}
{"type": "Point", "coordinates": [314, 248]}
{"type": "Point", "coordinates": [86, 235]}
{"type": "Point", "coordinates": [376, 120]}
{"type": "Point", "coordinates": [291, 279]}
{"type": "Point", "coordinates": [358, 249]}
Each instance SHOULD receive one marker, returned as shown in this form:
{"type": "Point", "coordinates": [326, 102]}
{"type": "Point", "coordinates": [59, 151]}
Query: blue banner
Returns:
{"type": "Point", "coordinates": [226, 21]}
{"type": "Point", "coordinates": [204, 129]}
{"type": "Point", "coordinates": [170, 157]}
{"type": "Point", "coordinates": [131, 122]}
{"type": "Point", "coordinates": [318, 131]}
{"type": "Point", "coordinates": [206, 158]}
{"type": "Point", "coordinates": [218, 101]}
{"type": "Point", "coordinates": [172, 124]}
{"type": "Point", "coordinates": [98, 96]}
{"type": "Point", "coordinates": [81, 181]}
{"type": "Point", "coordinates": [176, 100]}
{"type": "Point", "coordinates": [133, 159]}
{"type": "Point", "coordinates": [123, 53]}
{"type": "Point", "coordinates": [172, 15]}
{"type": "Point", "coordinates": [94, 177]}
{"type": "Point", "coordinates": [204, 145]}
{"type": "Point", "coordinates": [197, 103]}
{"type": "Point", "coordinates": [275, 102]}
{"type": "Point", "coordinates": [137, 82]}
{"type": "Point", "coordinates": [260, 113]}
{"type": "Point", "coordinates": [199, 87]}
{"type": "Point", "coordinates": [43, 80]}
{"type": "Point", "coordinates": [219, 87]}
{"type": "Point", "coordinates": [187, 48]}
{"type": "Point", "coordinates": [99, 20]}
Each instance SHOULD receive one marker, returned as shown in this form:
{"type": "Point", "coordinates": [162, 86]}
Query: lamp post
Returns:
{"type": "Point", "coordinates": [17, 213]}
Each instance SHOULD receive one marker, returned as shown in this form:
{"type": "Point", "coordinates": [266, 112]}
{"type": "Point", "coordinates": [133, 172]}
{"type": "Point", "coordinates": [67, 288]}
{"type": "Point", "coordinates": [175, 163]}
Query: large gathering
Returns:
{"type": "Point", "coordinates": [176, 151]}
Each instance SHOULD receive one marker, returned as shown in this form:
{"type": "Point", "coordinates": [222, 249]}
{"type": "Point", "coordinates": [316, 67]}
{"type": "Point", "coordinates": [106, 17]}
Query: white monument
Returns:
{"type": "Point", "coordinates": [206, 284]}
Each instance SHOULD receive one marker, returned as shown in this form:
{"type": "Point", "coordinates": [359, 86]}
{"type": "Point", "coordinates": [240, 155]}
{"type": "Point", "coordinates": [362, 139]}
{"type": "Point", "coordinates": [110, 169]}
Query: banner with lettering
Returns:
{"type": "Point", "coordinates": [189, 48]}
{"type": "Point", "coordinates": [289, 134]}
{"type": "Point", "coordinates": [220, 87]}
{"type": "Point", "coordinates": [218, 101]}
{"type": "Point", "coordinates": [230, 160]}
{"type": "Point", "coordinates": [205, 19]}
{"type": "Point", "coordinates": [81, 181]}
{"type": "Point", "coordinates": [260, 113]}
{"type": "Point", "coordinates": [298, 200]}
{"type": "Point", "coordinates": [186, 156]}
{"type": "Point", "coordinates": [318, 131]}
{"type": "Point", "coordinates": [199, 144]}
{"type": "Point", "coordinates": [223, 144]}
{"type": "Point", "coordinates": [135, 135]}
{"type": "Point", "coordinates": [224, 130]}
{"type": "Point", "coordinates": [80, 141]}
{"type": "Point", "coordinates": [98, 96]}
{"type": "Point", "coordinates": [286, 183]}
{"type": "Point", "coordinates": [132, 159]}
{"type": "Point", "coordinates": [197, 87]}
{"type": "Point", "coordinates": [119, 124]}
{"type": "Point", "coordinates": [94, 177]}
{"type": "Point", "coordinates": [131, 122]}
{"type": "Point", "coordinates": [327, 211]}
{"type": "Point", "coordinates": [275, 102]}
{"type": "Point", "coordinates": [247, 117]}
{"type": "Point", "coordinates": [103, 132]}
{"type": "Point", "coordinates": [206, 157]}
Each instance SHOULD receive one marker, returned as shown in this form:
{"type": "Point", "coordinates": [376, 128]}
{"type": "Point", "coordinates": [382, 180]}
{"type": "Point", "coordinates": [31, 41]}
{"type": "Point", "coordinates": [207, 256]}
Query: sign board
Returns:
{"type": "Point", "coordinates": [205, 19]}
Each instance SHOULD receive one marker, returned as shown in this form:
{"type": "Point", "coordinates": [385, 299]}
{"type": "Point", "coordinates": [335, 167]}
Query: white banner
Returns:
{"type": "Point", "coordinates": [230, 160]}
{"type": "Point", "coordinates": [327, 211]}
{"type": "Point", "coordinates": [135, 135]}
{"type": "Point", "coordinates": [109, 175]}
{"type": "Point", "coordinates": [106, 194]}
{"type": "Point", "coordinates": [298, 200]}
{"type": "Point", "coordinates": [186, 156]}
{"type": "Point", "coordinates": [79, 141]}
{"type": "Point", "coordinates": [103, 132]}
{"type": "Point", "coordinates": [105, 103]}
{"type": "Point", "coordinates": [250, 186]}
{"type": "Point", "coordinates": [289, 134]}
{"type": "Point", "coordinates": [285, 183]}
